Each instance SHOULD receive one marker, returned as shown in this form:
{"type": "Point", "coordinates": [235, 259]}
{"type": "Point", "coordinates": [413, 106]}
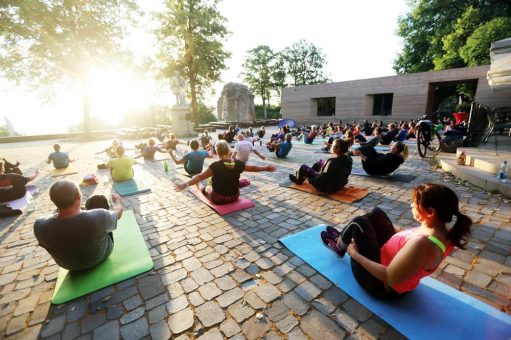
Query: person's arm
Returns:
{"type": "Point", "coordinates": [259, 154]}
{"type": "Point", "coordinates": [408, 261]}
{"type": "Point", "coordinates": [34, 176]}
{"type": "Point", "coordinates": [358, 153]}
{"type": "Point", "coordinates": [177, 161]}
{"type": "Point", "coordinates": [117, 205]}
{"type": "Point", "coordinates": [233, 155]}
{"type": "Point", "coordinates": [48, 161]}
{"type": "Point", "coordinates": [195, 179]}
{"type": "Point", "coordinates": [255, 168]}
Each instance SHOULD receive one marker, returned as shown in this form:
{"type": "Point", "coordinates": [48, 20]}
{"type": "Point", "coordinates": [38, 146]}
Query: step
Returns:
{"type": "Point", "coordinates": [475, 176]}
{"type": "Point", "coordinates": [486, 160]}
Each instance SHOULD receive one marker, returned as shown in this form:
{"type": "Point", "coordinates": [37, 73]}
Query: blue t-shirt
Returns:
{"type": "Point", "coordinates": [284, 149]}
{"type": "Point", "coordinates": [195, 160]}
{"type": "Point", "coordinates": [401, 136]}
{"type": "Point", "coordinates": [60, 159]}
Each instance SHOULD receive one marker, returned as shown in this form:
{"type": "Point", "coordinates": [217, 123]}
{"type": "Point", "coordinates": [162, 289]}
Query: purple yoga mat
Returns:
{"type": "Point", "coordinates": [21, 203]}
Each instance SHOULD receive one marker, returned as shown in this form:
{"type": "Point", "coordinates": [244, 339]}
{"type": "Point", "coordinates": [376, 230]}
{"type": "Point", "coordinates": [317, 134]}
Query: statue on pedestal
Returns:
{"type": "Point", "coordinates": [177, 86]}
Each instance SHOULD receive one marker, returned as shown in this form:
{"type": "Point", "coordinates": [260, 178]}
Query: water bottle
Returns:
{"type": "Point", "coordinates": [165, 166]}
{"type": "Point", "coordinates": [504, 167]}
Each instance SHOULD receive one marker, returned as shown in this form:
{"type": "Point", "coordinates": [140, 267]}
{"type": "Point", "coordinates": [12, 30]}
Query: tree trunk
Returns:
{"type": "Point", "coordinates": [264, 107]}
{"type": "Point", "coordinates": [193, 93]}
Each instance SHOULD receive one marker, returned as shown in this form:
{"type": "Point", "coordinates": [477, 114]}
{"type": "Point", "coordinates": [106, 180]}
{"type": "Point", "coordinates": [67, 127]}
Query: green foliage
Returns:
{"type": "Point", "coordinates": [304, 63]}
{"type": "Point", "coordinates": [47, 42]}
{"type": "Point", "coordinates": [191, 44]}
{"type": "Point", "coordinates": [206, 113]}
{"type": "Point", "coordinates": [435, 31]}
{"type": "Point", "coordinates": [476, 50]}
{"type": "Point", "coordinates": [3, 131]}
{"type": "Point", "coordinates": [272, 112]}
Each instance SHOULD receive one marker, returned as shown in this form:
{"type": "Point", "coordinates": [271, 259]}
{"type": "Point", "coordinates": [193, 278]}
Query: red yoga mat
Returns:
{"type": "Point", "coordinates": [223, 209]}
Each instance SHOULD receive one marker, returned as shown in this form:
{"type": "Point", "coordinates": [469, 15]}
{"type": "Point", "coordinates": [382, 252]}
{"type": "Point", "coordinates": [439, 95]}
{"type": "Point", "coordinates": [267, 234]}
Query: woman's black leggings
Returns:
{"type": "Point", "coordinates": [370, 232]}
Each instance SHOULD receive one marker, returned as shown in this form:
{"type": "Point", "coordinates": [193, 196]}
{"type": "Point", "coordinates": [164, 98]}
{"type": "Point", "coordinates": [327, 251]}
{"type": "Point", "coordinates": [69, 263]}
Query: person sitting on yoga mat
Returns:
{"type": "Point", "coordinates": [390, 135]}
{"type": "Point", "coordinates": [194, 160]}
{"type": "Point", "coordinates": [376, 139]}
{"type": "Point", "coordinates": [205, 140]}
{"type": "Point", "coordinates": [148, 150]}
{"type": "Point", "coordinates": [225, 176]}
{"type": "Point", "coordinates": [281, 148]}
{"type": "Point", "coordinates": [382, 164]}
{"type": "Point", "coordinates": [10, 168]}
{"type": "Point", "coordinates": [78, 239]}
{"type": "Point", "coordinates": [308, 139]}
{"type": "Point", "coordinates": [12, 186]}
{"type": "Point", "coordinates": [387, 262]}
{"type": "Point", "coordinates": [330, 176]}
{"type": "Point", "coordinates": [348, 136]}
{"type": "Point", "coordinates": [172, 143]}
{"type": "Point", "coordinates": [121, 167]}
{"type": "Point", "coordinates": [60, 159]}
{"type": "Point", "coordinates": [243, 148]}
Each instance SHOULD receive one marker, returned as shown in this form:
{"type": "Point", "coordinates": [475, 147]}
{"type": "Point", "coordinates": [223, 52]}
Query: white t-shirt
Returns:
{"type": "Point", "coordinates": [243, 150]}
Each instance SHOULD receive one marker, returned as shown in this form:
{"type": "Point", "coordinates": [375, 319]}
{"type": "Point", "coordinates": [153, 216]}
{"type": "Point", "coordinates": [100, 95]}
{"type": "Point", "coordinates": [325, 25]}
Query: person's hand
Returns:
{"type": "Point", "coordinates": [116, 198]}
{"type": "Point", "coordinates": [352, 248]}
{"type": "Point", "coordinates": [271, 168]}
{"type": "Point", "coordinates": [357, 152]}
{"type": "Point", "coordinates": [263, 157]}
{"type": "Point", "coordinates": [180, 187]}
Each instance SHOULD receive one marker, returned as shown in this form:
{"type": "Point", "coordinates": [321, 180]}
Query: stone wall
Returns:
{"type": "Point", "coordinates": [236, 103]}
{"type": "Point", "coordinates": [354, 99]}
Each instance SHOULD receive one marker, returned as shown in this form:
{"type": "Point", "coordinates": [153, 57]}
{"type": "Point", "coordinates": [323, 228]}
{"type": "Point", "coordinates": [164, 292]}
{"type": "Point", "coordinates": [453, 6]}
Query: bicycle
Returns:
{"type": "Point", "coordinates": [428, 137]}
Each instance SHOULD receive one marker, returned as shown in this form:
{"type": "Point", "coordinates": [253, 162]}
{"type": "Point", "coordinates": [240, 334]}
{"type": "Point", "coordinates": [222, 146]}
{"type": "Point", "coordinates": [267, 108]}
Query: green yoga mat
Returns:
{"type": "Point", "coordinates": [130, 187]}
{"type": "Point", "coordinates": [129, 258]}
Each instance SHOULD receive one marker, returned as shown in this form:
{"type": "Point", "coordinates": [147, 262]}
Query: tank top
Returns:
{"type": "Point", "coordinates": [394, 245]}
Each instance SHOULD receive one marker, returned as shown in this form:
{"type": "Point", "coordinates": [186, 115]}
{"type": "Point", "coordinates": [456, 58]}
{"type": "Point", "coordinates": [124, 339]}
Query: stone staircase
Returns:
{"type": "Point", "coordinates": [481, 166]}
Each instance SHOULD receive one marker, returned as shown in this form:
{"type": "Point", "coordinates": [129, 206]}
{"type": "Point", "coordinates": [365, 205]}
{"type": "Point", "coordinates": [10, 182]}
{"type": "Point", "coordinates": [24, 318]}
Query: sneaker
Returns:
{"type": "Point", "coordinates": [333, 233]}
{"type": "Point", "coordinates": [295, 180]}
{"type": "Point", "coordinates": [330, 244]}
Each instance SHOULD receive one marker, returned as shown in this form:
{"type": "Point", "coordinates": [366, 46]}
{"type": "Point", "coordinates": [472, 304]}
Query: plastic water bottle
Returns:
{"type": "Point", "coordinates": [165, 166]}
{"type": "Point", "coordinates": [504, 167]}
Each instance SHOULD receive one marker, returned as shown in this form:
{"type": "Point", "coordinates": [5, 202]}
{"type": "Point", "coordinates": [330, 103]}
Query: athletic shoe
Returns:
{"type": "Point", "coordinates": [295, 180]}
{"type": "Point", "coordinates": [330, 244]}
{"type": "Point", "coordinates": [333, 233]}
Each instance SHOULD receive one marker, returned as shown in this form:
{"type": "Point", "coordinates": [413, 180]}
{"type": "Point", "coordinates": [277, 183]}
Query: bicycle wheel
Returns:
{"type": "Point", "coordinates": [421, 143]}
{"type": "Point", "coordinates": [435, 143]}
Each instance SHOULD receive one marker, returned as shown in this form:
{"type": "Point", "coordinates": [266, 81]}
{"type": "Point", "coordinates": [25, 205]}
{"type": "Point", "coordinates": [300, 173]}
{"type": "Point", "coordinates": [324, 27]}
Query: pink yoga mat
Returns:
{"type": "Point", "coordinates": [223, 209]}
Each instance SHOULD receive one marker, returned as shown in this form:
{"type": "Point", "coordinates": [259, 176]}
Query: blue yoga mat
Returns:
{"type": "Point", "coordinates": [432, 311]}
{"type": "Point", "coordinates": [131, 187]}
{"type": "Point", "coordinates": [390, 177]}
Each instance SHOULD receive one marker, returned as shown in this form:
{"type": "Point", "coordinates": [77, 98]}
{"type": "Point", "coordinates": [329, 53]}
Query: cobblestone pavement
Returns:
{"type": "Point", "coordinates": [229, 277]}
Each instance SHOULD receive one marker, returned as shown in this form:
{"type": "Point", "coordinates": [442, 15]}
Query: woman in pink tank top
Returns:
{"type": "Point", "coordinates": [387, 262]}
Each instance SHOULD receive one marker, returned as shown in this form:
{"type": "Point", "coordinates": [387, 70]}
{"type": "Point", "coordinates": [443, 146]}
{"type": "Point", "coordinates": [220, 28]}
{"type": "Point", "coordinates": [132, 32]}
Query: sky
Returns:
{"type": "Point", "coordinates": [358, 38]}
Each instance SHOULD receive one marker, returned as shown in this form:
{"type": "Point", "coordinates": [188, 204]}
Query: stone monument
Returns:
{"type": "Point", "coordinates": [180, 111]}
{"type": "Point", "coordinates": [236, 104]}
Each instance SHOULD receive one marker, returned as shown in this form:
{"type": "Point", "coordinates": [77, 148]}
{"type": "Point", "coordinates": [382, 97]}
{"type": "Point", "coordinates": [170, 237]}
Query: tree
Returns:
{"type": "Point", "coordinates": [434, 31]}
{"type": "Point", "coordinates": [191, 44]}
{"type": "Point", "coordinates": [45, 42]}
{"type": "Point", "coordinates": [305, 63]}
{"type": "Point", "coordinates": [258, 72]}
{"type": "Point", "coordinates": [476, 50]}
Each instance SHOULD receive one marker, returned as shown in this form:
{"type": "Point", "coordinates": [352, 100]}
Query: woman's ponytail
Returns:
{"type": "Point", "coordinates": [460, 231]}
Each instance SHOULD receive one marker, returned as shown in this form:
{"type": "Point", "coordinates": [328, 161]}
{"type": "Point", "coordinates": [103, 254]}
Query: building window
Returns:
{"type": "Point", "coordinates": [382, 104]}
{"type": "Point", "coordinates": [326, 106]}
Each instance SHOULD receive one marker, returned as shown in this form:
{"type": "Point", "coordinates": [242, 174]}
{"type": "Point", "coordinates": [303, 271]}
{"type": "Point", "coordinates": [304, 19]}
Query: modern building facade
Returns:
{"type": "Point", "coordinates": [387, 98]}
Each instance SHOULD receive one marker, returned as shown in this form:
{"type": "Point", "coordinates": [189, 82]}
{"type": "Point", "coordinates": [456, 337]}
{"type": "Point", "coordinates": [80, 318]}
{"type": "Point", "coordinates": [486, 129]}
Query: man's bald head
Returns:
{"type": "Point", "coordinates": [63, 193]}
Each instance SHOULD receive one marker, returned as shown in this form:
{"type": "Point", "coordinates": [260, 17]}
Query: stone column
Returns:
{"type": "Point", "coordinates": [180, 125]}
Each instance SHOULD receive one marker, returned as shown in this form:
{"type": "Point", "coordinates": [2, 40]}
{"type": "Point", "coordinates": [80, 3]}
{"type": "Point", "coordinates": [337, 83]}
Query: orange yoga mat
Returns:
{"type": "Point", "coordinates": [348, 194]}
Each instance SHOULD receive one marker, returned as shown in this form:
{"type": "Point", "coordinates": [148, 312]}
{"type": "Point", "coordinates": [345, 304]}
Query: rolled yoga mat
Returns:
{"type": "Point", "coordinates": [432, 311]}
{"type": "Point", "coordinates": [223, 209]}
{"type": "Point", "coordinates": [130, 187]}
{"type": "Point", "coordinates": [129, 258]}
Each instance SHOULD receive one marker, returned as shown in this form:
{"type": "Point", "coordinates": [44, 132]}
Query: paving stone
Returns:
{"type": "Point", "coordinates": [357, 310]}
{"type": "Point", "coordinates": [17, 323]}
{"type": "Point", "coordinates": [114, 312]}
{"type": "Point", "coordinates": [478, 279]}
{"type": "Point", "coordinates": [189, 285]}
{"type": "Point", "coordinates": [210, 314]}
{"type": "Point", "coordinates": [323, 305]}
{"type": "Point", "coordinates": [156, 301]}
{"type": "Point", "coordinates": [268, 292]}
{"type": "Point", "coordinates": [133, 315]}
{"type": "Point", "coordinates": [181, 321]}
{"type": "Point", "coordinates": [346, 321]}
{"type": "Point", "coordinates": [39, 314]}
{"type": "Point", "coordinates": [27, 305]}
{"type": "Point", "coordinates": [320, 281]}
{"type": "Point", "coordinates": [286, 285]}
{"type": "Point", "coordinates": [77, 310]}
{"type": "Point", "coordinates": [191, 264]}
{"type": "Point", "coordinates": [335, 296]}
{"type": "Point", "coordinates": [108, 331]}
{"type": "Point", "coordinates": [92, 321]}
{"type": "Point", "coordinates": [296, 277]}
{"type": "Point", "coordinates": [150, 286]}
{"type": "Point", "coordinates": [156, 314]}
{"type": "Point", "coordinates": [196, 299]}
{"type": "Point", "coordinates": [306, 270]}
{"type": "Point", "coordinates": [372, 329]}
{"type": "Point", "coordinates": [264, 263]}
{"type": "Point", "coordinates": [254, 300]}
{"type": "Point", "coordinates": [307, 290]}
{"type": "Point", "coordinates": [250, 285]}
{"type": "Point", "coordinates": [225, 282]}
{"type": "Point", "coordinates": [240, 311]}
{"type": "Point", "coordinates": [271, 277]}
{"type": "Point", "coordinates": [177, 304]}
{"type": "Point", "coordinates": [71, 331]}
{"type": "Point", "coordinates": [135, 330]}
{"type": "Point", "coordinates": [287, 324]}
{"type": "Point", "coordinates": [241, 276]}
{"type": "Point", "coordinates": [133, 302]}
{"type": "Point", "coordinates": [209, 291]}
{"type": "Point", "coordinates": [174, 276]}
{"type": "Point", "coordinates": [296, 303]}
{"type": "Point", "coordinates": [297, 334]}
{"type": "Point", "coordinates": [229, 297]}
{"type": "Point", "coordinates": [160, 331]}
{"type": "Point", "coordinates": [212, 334]}
{"type": "Point", "coordinates": [318, 326]}
{"type": "Point", "coordinates": [175, 290]}
{"type": "Point", "coordinates": [255, 328]}
{"type": "Point", "coordinates": [229, 327]}
{"type": "Point", "coordinates": [202, 276]}
{"type": "Point", "coordinates": [277, 311]}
